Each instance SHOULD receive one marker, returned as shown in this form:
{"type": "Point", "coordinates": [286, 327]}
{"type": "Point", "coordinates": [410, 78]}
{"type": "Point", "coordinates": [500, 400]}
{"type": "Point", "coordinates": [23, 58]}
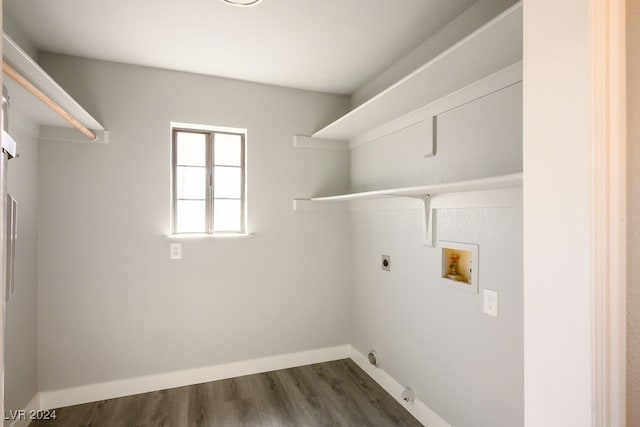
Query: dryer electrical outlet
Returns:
{"type": "Point", "coordinates": [386, 263]}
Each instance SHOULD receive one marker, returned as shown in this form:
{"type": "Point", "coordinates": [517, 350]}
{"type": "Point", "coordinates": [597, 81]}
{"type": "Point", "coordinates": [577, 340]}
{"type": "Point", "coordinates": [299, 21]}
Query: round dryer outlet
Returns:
{"type": "Point", "coordinates": [373, 358]}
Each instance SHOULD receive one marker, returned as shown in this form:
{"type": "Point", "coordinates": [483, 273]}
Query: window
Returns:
{"type": "Point", "coordinates": [208, 181]}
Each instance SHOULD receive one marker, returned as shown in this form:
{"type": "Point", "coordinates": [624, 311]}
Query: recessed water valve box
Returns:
{"type": "Point", "coordinates": [460, 265]}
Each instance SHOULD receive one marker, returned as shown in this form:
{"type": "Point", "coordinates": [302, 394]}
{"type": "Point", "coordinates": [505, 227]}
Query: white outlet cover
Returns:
{"type": "Point", "coordinates": [490, 302]}
{"type": "Point", "coordinates": [176, 250]}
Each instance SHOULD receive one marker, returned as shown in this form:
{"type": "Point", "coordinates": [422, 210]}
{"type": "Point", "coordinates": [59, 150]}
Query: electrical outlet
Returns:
{"type": "Point", "coordinates": [176, 251]}
{"type": "Point", "coordinates": [386, 263]}
{"type": "Point", "coordinates": [490, 302]}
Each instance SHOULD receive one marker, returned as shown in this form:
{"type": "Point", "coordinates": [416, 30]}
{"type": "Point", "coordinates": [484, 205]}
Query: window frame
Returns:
{"type": "Point", "coordinates": [210, 133]}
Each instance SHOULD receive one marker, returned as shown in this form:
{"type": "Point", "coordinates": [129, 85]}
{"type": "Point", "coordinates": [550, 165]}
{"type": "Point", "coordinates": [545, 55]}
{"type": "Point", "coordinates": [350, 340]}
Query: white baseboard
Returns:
{"type": "Point", "coordinates": [113, 389]}
{"type": "Point", "coordinates": [119, 388]}
{"type": "Point", "coordinates": [33, 405]}
{"type": "Point", "coordinates": [418, 409]}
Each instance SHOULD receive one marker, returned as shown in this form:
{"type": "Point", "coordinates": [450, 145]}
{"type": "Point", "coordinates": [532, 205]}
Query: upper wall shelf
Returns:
{"type": "Point", "coordinates": [27, 104]}
{"type": "Point", "coordinates": [489, 49]}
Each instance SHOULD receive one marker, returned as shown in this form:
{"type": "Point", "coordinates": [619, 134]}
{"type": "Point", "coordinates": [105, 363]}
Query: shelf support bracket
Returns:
{"type": "Point", "coordinates": [429, 224]}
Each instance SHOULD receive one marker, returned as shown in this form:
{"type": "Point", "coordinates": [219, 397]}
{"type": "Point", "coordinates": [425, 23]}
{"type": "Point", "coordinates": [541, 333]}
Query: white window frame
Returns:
{"type": "Point", "coordinates": [210, 164]}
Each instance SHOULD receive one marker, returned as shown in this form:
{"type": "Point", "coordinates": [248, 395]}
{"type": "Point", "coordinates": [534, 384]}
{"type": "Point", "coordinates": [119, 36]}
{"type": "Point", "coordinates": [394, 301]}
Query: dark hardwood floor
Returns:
{"type": "Point", "coordinates": [326, 394]}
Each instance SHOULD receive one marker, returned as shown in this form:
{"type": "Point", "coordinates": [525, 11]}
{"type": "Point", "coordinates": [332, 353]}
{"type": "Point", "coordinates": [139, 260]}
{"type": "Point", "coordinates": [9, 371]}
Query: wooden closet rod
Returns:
{"type": "Point", "coordinates": [15, 75]}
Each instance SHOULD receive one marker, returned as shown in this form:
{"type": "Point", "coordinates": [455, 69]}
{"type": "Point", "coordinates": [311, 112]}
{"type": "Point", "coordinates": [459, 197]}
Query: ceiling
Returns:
{"type": "Point", "coordinates": [325, 45]}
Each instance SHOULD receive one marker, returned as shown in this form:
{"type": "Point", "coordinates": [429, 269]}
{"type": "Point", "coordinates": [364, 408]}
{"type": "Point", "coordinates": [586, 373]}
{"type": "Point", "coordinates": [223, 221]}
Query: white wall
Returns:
{"type": "Point", "coordinates": [112, 304]}
{"type": "Point", "coordinates": [557, 210]}
{"type": "Point", "coordinates": [633, 203]}
{"type": "Point", "coordinates": [465, 365]}
{"type": "Point", "coordinates": [21, 345]}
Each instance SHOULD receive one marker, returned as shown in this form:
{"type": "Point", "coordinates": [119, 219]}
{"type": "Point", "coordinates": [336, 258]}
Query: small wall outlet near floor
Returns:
{"type": "Point", "coordinates": [176, 250]}
{"type": "Point", "coordinates": [490, 302]}
{"type": "Point", "coordinates": [386, 263]}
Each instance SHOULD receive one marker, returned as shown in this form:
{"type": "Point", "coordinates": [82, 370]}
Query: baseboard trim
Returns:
{"type": "Point", "coordinates": [33, 405]}
{"type": "Point", "coordinates": [119, 388]}
{"type": "Point", "coordinates": [418, 409]}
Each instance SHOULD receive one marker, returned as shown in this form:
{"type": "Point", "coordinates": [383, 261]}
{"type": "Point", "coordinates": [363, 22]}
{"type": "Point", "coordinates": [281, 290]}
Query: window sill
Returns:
{"type": "Point", "coordinates": [205, 236]}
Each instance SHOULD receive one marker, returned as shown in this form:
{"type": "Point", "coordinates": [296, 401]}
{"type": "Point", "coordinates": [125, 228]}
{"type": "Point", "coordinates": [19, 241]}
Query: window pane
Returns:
{"type": "Point", "coordinates": [191, 148]}
{"type": "Point", "coordinates": [227, 182]}
{"type": "Point", "coordinates": [190, 217]}
{"type": "Point", "coordinates": [228, 149]}
{"type": "Point", "coordinates": [192, 183]}
{"type": "Point", "coordinates": [227, 215]}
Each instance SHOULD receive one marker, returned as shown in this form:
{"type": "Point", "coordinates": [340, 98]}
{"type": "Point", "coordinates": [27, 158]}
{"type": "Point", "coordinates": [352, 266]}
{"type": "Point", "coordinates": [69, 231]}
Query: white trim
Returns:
{"type": "Point", "coordinates": [303, 141]}
{"type": "Point", "coordinates": [209, 128]}
{"type": "Point", "coordinates": [205, 236]}
{"type": "Point", "coordinates": [33, 405]}
{"type": "Point", "coordinates": [608, 144]}
{"type": "Point", "coordinates": [418, 409]}
{"type": "Point", "coordinates": [118, 388]}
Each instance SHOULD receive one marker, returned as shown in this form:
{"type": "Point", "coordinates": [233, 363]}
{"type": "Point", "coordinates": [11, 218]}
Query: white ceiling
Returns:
{"type": "Point", "coordinates": [325, 45]}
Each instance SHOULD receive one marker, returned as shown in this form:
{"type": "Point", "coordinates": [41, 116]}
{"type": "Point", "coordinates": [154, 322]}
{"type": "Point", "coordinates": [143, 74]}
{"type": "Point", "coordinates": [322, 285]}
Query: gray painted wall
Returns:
{"type": "Point", "coordinates": [475, 140]}
{"type": "Point", "coordinates": [633, 205]}
{"type": "Point", "coordinates": [14, 31]}
{"type": "Point", "coordinates": [464, 24]}
{"type": "Point", "coordinates": [21, 343]}
{"type": "Point", "coordinates": [465, 365]}
{"type": "Point", "coordinates": [112, 303]}
{"type": "Point", "coordinates": [21, 327]}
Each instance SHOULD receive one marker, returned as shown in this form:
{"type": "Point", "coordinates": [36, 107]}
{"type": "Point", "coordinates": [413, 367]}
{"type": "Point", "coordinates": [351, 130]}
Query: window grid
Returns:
{"type": "Point", "coordinates": [210, 166]}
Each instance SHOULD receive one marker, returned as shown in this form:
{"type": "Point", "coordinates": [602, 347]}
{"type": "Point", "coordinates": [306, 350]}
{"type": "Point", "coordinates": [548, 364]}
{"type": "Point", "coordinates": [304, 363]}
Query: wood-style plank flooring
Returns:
{"type": "Point", "coordinates": [326, 394]}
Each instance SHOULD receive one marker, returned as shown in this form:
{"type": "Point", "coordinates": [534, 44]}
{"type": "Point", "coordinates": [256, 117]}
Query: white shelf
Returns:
{"type": "Point", "coordinates": [425, 193]}
{"type": "Point", "coordinates": [422, 191]}
{"type": "Point", "coordinates": [491, 48]}
{"type": "Point", "coordinates": [28, 105]}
